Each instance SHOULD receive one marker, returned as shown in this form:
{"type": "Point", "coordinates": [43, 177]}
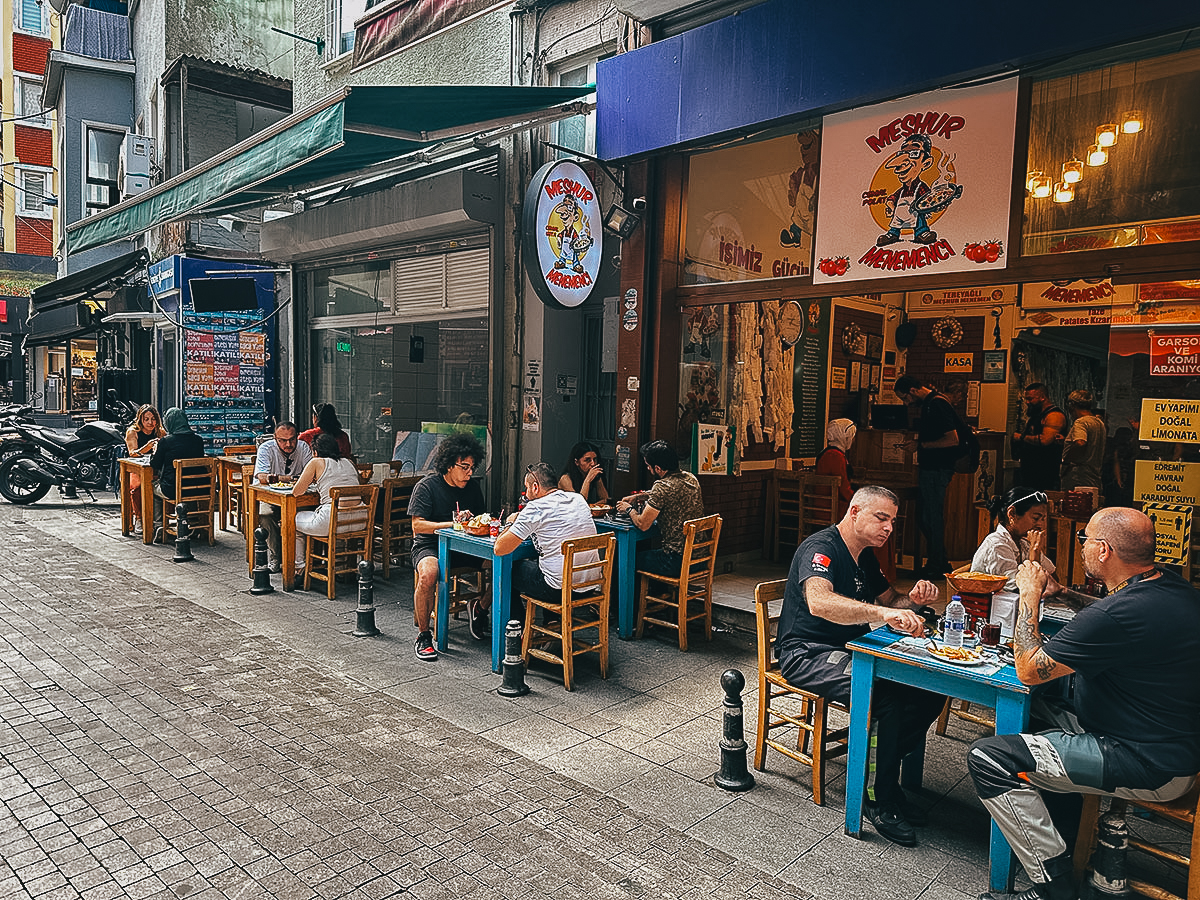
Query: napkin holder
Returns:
{"type": "Point", "coordinates": [1004, 612]}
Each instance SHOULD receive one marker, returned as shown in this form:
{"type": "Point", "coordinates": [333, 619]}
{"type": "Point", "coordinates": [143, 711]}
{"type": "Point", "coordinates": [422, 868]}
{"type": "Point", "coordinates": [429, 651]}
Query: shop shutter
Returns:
{"type": "Point", "coordinates": [446, 284]}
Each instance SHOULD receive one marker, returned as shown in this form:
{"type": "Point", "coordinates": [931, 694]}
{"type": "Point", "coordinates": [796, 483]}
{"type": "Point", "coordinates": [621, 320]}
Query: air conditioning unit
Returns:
{"type": "Point", "coordinates": [135, 164]}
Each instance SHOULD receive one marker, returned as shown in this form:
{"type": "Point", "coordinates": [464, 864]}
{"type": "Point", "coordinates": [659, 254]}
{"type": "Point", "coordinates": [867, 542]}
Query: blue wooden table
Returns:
{"type": "Point", "coordinates": [876, 657]}
{"type": "Point", "coordinates": [628, 537]}
{"type": "Point", "coordinates": [451, 541]}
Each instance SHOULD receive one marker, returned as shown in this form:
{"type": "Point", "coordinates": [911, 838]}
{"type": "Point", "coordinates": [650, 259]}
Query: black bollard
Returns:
{"type": "Point", "coordinates": [513, 667]}
{"type": "Point", "coordinates": [1108, 860]}
{"type": "Point", "coordinates": [365, 623]}
{"type": "Point", "coordinates": [183, 535]}
{"type": "Point", "coordinates": [734, 776]}
{"type": "Point", "coordinates": [262, 572]}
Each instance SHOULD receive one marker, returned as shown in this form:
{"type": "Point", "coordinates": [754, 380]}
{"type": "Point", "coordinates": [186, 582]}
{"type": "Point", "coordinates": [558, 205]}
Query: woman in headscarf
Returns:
{"type": "Point", "coordinates": [834, 460]}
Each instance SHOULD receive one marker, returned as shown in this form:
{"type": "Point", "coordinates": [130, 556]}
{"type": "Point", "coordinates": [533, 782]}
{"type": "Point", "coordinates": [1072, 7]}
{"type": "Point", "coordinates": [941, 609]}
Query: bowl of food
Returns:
{"type": "Point", "coordinates": [975, 582]}
{"type": "Point", "coordinates": [479, 525]}
{"type": "Point", "coordinates": [600, 509]}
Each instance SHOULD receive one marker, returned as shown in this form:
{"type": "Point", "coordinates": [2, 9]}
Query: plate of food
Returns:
{"type": "Point", "coordinates": [959, 656]}
{"type": "Point", "coordinates": [479, 525]}
{"type": "Point", "coordinates": [600, 509]}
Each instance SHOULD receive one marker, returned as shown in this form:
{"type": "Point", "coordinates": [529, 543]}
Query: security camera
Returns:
{"type": "Point", "coordinates": [638, 204]}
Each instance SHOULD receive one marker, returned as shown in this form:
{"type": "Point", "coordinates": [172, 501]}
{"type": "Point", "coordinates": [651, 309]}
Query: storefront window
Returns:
{"type": "Point", "coordinates": [353, 290]}
{"type": "Point", "coordinates": [1111, 158]}
{"type": "Point", "coordinates": [395, 386]}
{"type": "Point", "coordinates": [750, 210]}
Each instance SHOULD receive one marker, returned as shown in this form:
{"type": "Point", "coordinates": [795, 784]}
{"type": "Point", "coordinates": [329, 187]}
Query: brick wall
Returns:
{"type": "Point", "coordinates": [33, 145]}
{"type": "Point", "coordinates": [33, 236]}
{"type": "Point", "coordinates": [741, 502]}
{"type": "Point", "coordinates": [30, 54]}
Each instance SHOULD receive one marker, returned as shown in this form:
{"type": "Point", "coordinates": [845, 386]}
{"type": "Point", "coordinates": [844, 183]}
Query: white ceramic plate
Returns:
{"type": "Point", "coordinates": [977, 661]}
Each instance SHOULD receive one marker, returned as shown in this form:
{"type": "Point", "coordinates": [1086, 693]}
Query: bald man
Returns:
{"type": "Point", "coordinates": [1134, 728]}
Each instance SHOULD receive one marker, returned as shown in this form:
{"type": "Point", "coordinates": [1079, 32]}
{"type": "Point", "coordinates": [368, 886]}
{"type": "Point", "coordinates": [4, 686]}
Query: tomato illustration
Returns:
{"type": "Point", "coordinates": [842, 265]}
{"type": "Point", "coordinates": [992, 253]}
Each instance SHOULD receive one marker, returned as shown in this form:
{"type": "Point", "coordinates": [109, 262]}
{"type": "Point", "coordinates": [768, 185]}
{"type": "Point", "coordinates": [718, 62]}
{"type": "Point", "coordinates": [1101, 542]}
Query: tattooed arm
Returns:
{"type": "Point", "coordinates": [1033, 664]}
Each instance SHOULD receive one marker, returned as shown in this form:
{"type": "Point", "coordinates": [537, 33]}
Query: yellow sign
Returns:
{"type": "Point", "coordinates": [1166, 482]}
{"type": "Point", "coordinates": [1171, 420]}
{"type": "Point", "coordinates": [1172, 531]}
{"type": "Point", "coordinates": [960, 362]}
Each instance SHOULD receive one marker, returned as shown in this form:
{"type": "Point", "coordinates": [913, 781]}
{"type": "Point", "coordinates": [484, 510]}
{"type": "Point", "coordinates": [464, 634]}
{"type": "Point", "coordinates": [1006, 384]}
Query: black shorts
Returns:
{"type": "Point", "coordinates": [457, 560]}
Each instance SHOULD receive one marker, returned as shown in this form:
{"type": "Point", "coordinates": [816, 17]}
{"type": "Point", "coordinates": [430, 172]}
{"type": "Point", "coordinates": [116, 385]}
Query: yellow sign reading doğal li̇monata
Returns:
{"type": "Point", "coordinates": [1171, 420]}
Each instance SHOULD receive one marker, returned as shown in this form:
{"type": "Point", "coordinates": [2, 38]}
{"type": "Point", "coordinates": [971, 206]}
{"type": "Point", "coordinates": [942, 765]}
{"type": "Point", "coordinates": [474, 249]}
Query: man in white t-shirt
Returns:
{"type": "Point", "coordinates": [550, 517]}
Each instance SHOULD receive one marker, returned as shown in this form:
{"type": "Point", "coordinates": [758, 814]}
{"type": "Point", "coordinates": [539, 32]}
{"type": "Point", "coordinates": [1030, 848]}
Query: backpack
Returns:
{"type": "Point", "coordinates": [967, 460]}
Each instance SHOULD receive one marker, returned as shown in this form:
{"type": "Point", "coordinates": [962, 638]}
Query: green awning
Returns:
{"type": "Point", "coordinates": [350, 130]}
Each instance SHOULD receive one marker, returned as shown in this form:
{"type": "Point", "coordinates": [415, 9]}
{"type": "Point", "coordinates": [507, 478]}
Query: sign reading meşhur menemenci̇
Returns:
{"type": "Point", "coordinates": [562, 234]}
{"type": "Point", "coordinates": [1170, 420]}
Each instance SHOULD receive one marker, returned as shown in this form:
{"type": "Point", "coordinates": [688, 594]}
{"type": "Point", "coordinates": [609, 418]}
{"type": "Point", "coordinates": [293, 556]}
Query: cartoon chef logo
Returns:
{"type": "Point", "coordinates": [569, 234]}
{"type": "Point", "coordinates": [563, 228]}
{"type": "Point", "coordinates": [918, 183]}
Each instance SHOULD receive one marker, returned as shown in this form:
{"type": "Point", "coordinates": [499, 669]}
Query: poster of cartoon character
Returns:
{"type": "Point", "coordinates": [919, 184]}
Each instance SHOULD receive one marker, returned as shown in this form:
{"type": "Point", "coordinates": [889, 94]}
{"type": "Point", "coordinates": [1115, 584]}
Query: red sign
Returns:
{"type": "Point", "coordinates": [1175, 354]}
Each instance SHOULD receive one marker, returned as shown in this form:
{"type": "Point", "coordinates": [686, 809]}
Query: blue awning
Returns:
{"type": "Point", "coordinates": [350, 130]}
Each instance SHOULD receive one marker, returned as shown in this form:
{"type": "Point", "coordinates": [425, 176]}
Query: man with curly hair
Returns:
{"type": "Point", "coordinates": [434, 502]}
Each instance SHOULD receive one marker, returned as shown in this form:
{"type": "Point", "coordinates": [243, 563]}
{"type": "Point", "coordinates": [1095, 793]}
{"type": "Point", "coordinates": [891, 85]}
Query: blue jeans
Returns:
{"type": "Point", "coordinates": [932, 485]}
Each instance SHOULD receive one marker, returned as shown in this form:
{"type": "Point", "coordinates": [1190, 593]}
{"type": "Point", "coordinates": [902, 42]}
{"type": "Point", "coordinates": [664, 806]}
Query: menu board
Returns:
{"type": "Point", "coordinates": [811, 364]}
{"type": "Point", "coordinates": [225, 358]}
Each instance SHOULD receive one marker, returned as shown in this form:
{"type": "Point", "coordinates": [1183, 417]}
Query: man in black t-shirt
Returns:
{"type": "Point", "coordinates": [937, 447]}
{"type": "Point", "coordinates": [1134, 728]}
{"type": "Point", "coordinates": [834, 590]}
{"type": "Point", "coordinates": [435, 500]}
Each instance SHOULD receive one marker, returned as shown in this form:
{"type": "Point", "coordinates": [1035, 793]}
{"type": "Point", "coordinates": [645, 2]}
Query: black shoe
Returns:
{"type": "Point", "coordinates": [884, 239]}
{"type": "Point", "coordinates": [890, 824]}
{"type": "Point", "coordinates": [912, 813]}
{"type": "Point", "coordinates": [1030, 893]}
{"type": "Point", "coordinates": [425, 650]}
{"type": "Point", "coordinates": [1061, 887]}
{"type": "Point", "coordinates": [925, 237]}
{"type": "Point", "coordinates": [477, 619]}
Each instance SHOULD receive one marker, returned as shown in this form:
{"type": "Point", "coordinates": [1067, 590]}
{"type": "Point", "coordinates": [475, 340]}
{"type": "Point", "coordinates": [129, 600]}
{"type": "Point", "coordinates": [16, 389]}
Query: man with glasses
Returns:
{"type": "Point", "coordinates": [1132, 729]}
{"type": "Point", "coordinates": [284, 456]}
{"type": "Point", "coordinates": [435, 500]}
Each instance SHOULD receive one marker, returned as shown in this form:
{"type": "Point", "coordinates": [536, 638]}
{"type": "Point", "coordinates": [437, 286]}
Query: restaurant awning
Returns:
{"type": "Point", "coordinates": [351, 130]}
{"type": "Point", "coordinates": [57, 311]}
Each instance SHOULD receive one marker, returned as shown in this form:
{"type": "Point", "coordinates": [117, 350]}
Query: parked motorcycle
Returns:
{"type": "Point", "coordinates": [11, 440]}
{"type": "Point", "coordinates": [70, 460]}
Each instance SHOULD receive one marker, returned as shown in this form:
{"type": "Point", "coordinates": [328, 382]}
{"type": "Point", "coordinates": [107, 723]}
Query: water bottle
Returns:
{"type": "Point", "coordinates": [954, 623]}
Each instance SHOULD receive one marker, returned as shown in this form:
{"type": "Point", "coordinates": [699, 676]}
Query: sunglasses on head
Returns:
{"type": "Point", "coordinates": [1036, 496]}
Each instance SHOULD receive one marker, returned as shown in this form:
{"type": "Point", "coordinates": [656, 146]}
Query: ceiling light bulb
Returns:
{"type": "Point", "coordinates": [1096, 155]}
{"type": "Point", "coordinates": [1031, 179]}
{"type": "Point", "coordinates": [1131, 122]}
{"type": "Point", "coordinates": [1072, 171]}
{"type": "Point", "coordinates": [1106, 134]}
{"type": "Point", "coordinates": [1042, 186]}
{"type": "Point", "coordinates": [1063, 192]}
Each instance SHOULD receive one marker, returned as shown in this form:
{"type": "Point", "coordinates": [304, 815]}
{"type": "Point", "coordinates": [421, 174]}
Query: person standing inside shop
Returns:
{"type": "Point", "coordinates": [1039, 448]}
{"type": "Point", "coordinates": [937, 447]}
{"type": "Point", "coordinates": [1083, 453]}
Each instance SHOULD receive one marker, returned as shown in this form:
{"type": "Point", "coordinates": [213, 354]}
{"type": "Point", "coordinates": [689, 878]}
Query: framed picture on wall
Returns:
{"type": "Point", "coordinates": [995, 366]}
{"type": "Point", "coordinates": [874, 346]}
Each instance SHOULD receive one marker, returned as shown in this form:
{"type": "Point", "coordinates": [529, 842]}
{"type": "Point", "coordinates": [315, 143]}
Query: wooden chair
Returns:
{"type": "Point", "coordinates": [393, 527]}
{"type": "Point", "coordinates": [465, 584]}
{"type": "Point", "coordinates": [1181, 811]}
{"type": "Point", "coordinates": [692, 585]}
{"type": "Point", "coordinates": [239, 450]}
{"type": "Point", "coordinates": [582, 605]}
{"type": "Point", "coordinates": [350, 536]}
{"type": "Point", "coordinates": [789, 505]}
{"type": "Point", "coordinates": [366, 472]}
{"type": "Point", "coordinates": [819, 503]}
{"type": "Point", "coordinates": [233, 496]}
{"type": "Point", "coordinates": [809, 720]}
{"type": "Point", "coordinates": [195, 485]}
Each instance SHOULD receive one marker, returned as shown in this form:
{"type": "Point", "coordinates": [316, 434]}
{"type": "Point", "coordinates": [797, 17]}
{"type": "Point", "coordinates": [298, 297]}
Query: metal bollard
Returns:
{"type": "Point", "coordinates": [734, 776]}
{"type": "Point", "coordinates": [513, 667]}
{"type": "Point", "coordinates": [183, 535]}
{"type": "Point", "coordinates": [1108, 860]}
{"type": "Point", "coordinates": [365, 621]}
{"type": "Point", "coordinates": [262, 571]}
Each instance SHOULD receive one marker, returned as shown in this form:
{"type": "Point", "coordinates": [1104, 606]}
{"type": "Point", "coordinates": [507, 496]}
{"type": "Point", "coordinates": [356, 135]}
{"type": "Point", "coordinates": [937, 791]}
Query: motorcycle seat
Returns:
{"type": "Point", "coordinates": [59, 436]}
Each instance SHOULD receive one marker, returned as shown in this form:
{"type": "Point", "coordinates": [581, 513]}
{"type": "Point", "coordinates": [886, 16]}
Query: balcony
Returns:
{"type": "Point", "coordinates": [97, 34]}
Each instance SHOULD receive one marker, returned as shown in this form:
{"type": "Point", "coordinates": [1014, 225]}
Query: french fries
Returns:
{"type": "Point", "coordinates": [959, 653]}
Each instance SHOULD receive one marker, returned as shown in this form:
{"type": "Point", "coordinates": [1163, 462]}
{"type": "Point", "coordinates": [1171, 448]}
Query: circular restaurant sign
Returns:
{"type": "Point", "coordinates": [562, 233]}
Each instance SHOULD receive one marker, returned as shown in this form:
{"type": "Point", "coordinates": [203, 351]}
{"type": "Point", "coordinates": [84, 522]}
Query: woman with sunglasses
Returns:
{"type": "Point", "coordinates": [1021, 516]}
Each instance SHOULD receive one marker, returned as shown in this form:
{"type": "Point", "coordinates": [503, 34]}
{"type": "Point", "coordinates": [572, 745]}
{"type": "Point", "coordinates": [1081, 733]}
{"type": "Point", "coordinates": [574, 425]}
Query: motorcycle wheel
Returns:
{"type": "Point", "coordinates": [18, 487]}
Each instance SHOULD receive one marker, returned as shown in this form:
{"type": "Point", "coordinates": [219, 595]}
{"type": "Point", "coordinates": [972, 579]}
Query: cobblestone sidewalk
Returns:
{"type": "Point", "coordinates": [150, 747]}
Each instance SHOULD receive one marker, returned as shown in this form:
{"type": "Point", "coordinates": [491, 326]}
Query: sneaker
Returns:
{"type": "Point", "coordinates": [137, 526]}
{"type": "Point", "coordinates": [275, 567]}
{"type": "Point", "coordinates": [425, 649]}
{"type": "Point", "coordinates": [890, 824]}
{"type": "Point", "coordinates": [477, 617]}
{"type": "Point", "coordinates": [1030, 893]}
